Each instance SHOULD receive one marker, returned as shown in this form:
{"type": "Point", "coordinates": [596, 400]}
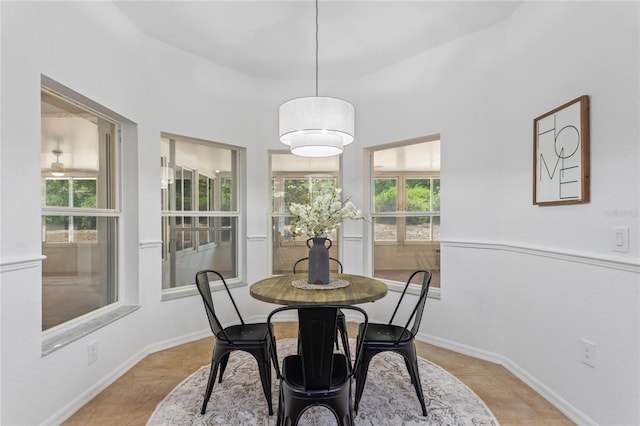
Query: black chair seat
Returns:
{"type": "Point", "coordinates": [385, 334]}
{"type": "Point", "coordinates": [247, 333]}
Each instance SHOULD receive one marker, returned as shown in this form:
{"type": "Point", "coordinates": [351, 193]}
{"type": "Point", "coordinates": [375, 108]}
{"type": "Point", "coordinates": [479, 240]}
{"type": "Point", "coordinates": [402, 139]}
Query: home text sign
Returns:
{"type": "Point", "coordinates": [561, 154]}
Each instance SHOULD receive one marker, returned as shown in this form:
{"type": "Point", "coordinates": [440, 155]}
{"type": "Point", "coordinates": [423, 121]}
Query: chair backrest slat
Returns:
{"type": "Point", "coordinates": [416, 313]}
{"type": "Point", "coordinates": [317, 328]}
{"type": "Point", "coordinates": [202, 283]}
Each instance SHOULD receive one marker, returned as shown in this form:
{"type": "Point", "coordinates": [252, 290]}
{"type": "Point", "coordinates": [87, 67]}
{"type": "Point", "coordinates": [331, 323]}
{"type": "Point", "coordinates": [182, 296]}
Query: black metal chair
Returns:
{"type": "Point", "coordinates": [316, 375]}
{"type": "Point", "coordinates": [253, 338]}
{"type": "Point", "coordinates": [342, 321]}
{"type": "Point", "coordinates": [376, 338]}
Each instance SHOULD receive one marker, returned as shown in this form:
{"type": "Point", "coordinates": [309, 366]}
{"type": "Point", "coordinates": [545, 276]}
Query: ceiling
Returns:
{"type": "Point", "coordinates": [276, 39]}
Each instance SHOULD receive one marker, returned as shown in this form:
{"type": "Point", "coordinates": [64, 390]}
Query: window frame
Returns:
{"type": "Point", "coordinates": [234, 212]}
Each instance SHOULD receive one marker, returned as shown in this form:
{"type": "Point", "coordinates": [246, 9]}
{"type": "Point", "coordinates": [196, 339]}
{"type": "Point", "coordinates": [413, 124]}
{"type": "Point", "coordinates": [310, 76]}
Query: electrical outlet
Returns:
{"type": "Point", "coordinates": [92, 353]}
{"type": "Point", "coordinates": [588, 352]}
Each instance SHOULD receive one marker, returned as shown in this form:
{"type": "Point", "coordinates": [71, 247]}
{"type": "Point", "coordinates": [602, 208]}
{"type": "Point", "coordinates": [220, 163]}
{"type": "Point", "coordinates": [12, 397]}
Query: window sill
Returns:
{"type": "Point", "coordinates": [62, 339]}
{"type": "Point", "coordinates": [191, 290]}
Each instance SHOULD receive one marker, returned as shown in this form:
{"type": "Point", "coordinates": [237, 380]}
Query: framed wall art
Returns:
{"type": "Point", "coordinates": [561, 154]}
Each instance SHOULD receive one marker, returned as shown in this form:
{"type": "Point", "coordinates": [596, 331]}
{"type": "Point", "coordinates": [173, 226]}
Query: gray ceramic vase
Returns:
{"type": "Point", "coordinates": [318, 260]}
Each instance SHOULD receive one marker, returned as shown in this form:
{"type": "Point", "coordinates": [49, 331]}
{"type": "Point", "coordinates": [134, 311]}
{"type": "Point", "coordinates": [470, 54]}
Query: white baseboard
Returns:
{"type": "Point", "coordinates": [67, 411]}
{"type": "Point", "coordinates": [568, 409]}
{"type": "Point", "coordinates": [560, 403]}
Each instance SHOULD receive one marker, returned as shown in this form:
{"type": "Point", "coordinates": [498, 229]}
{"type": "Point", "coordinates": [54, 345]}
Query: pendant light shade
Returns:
{"type": "Point", "coordinates": [316, 126]}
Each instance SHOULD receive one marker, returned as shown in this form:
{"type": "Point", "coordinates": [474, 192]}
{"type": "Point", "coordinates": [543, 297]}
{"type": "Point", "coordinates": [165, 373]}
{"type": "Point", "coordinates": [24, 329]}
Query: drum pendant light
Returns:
{"type": "Point", "coordinates": [316, 126]}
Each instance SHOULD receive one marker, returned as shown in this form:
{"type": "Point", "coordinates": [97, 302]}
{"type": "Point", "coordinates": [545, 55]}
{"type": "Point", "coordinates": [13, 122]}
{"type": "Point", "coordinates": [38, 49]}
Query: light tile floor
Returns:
{"type": "Point", "coordinates": [131, 399]}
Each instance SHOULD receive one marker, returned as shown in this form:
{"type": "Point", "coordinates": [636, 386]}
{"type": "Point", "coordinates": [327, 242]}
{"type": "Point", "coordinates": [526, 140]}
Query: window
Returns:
{"type": "Point", "coordinates": [80, 211]}
{"type": "Point", "coordinates": [296, 179]}
{"type": "Point", "coordinates": [199, 209]}
{"type": "Point", "coordinates": [406, 210]}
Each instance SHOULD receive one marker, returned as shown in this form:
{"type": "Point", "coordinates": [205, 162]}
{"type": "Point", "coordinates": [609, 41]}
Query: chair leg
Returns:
{"type": "Point", "coordinates": [273, 351]}
{"type": "Point", "coordinates": [212, 379]}
{"type": "Point", "coordinates": [412, 365]}
{"type": "Point", "coordinates": [342, 405]}
{"type": "Point", "coordinates": [274, 359]}
{"type": "Point", "coordinates": [280, 418]}
{"type": "Point", "coordinates": [351, 416]}
{"type": "Point", "coordinates": [223, 365]}
{"type": "Point", "coordinates": [406, 362]}
{"type": "Point", "coordinates": [361, 377]}
{"type": "Point", "coordinates": [264, 366]}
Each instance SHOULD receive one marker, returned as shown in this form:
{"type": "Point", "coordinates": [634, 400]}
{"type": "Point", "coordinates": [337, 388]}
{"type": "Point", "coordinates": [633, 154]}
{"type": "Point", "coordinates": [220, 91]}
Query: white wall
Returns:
{"type": "Point", "coordinates": [521, 284]}
{"type": "Point", "coordinates": [91, 48]}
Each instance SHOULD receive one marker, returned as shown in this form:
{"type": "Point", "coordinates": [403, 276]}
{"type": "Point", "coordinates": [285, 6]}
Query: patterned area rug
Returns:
{"type": "Point", "coordinates": [388, 399]}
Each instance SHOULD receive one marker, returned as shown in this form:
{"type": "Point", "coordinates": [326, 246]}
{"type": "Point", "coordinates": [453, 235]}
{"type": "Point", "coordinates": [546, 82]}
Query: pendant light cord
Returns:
{"type": "Point", "coordinates": [316, 48]}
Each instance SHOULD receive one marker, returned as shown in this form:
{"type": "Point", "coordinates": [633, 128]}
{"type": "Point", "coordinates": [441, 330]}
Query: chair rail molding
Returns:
{"type": "Point", "coordinates": [256, 238]}
{"type": "Point", "coordinates": [604, 261]}
{"type": "Point", "coordinates": [17, 263]}
{"type": "Point", "coordinates": [150, 244]}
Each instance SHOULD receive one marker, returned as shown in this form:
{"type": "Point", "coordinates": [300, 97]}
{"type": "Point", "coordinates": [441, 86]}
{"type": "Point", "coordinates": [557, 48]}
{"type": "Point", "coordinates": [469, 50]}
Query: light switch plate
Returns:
{"type": "Point", "coordinates": [620, 239]}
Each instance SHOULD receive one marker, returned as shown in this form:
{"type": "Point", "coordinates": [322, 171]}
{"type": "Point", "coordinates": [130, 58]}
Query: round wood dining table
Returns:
{"type": "Point", "coordinates": [279, 290]}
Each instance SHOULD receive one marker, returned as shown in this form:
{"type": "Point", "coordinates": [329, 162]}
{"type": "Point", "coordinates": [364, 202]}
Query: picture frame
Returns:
{"type": "Point", "coordinates": [561, 154]}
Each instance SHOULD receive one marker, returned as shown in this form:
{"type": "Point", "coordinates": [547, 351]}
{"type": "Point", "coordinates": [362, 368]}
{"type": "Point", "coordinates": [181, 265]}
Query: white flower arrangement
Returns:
{"type": "Point", "coordinates": [323, 215]}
